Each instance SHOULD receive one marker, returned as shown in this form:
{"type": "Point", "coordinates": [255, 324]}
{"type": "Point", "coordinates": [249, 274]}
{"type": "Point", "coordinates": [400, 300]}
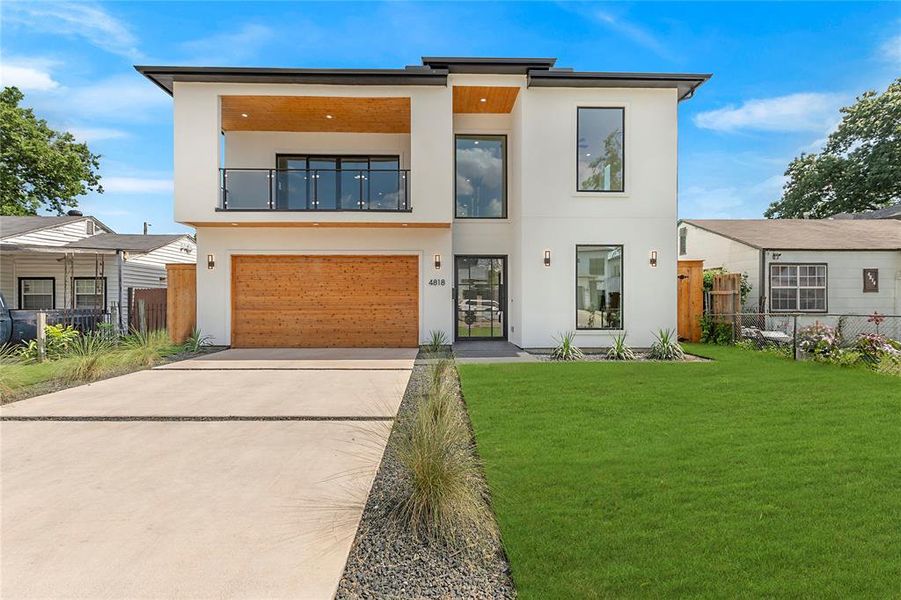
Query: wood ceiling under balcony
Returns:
{"type": "Point", "coordinates": [481, 99]}
{"type": "Point", "coordinates": [316, 113]}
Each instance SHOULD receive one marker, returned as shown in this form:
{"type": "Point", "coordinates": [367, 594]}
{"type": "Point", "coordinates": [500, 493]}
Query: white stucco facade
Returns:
{"type": "Point", "coordinates": [544, 210]}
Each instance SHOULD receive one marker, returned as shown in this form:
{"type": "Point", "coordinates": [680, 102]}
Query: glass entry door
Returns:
{"type": "Point", "coordinates": [481, 297]}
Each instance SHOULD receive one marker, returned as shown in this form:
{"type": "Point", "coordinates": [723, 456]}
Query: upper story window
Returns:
{"type": "Point", "coordinates": [89, 227]}
{"type": "Point", "coordinates": [800, 288]}
{"type": "Point", "coordinates": [599, 149]}
{"type": "Point", "coordinates": [481, 177]}
{"type": "Point", "coordinates": [683, 241]}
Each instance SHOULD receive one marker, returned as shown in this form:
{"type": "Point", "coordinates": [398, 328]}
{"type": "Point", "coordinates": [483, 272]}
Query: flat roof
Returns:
{"type": "Point", "coordinates": [807, 234]}
{"type": "Point", "coordinates": [540, 72]}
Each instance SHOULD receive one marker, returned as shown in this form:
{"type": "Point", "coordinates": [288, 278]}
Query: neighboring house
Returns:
{"type": "Point", "coordinates": [800, 265]}
{"type": "Point", "coordinates": [78, 262]}
{"type": "Point", "coordinates": [482, 197]}
{"type": "Point", "coordinates": [888, 212]}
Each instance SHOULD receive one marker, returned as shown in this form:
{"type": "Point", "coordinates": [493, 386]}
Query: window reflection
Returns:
{"type": "Point", "coordinates": [600, 149]}
{"type": "Point", "coordinates": [481, 176]}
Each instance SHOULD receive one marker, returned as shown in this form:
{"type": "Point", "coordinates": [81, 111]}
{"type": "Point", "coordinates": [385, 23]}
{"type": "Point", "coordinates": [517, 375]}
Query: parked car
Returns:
{"type": "Point", "coordinates": [479, 305]}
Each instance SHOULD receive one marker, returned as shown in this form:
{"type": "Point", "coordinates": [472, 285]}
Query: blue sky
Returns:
{"type": "Point", "coordinates": [781, 71]}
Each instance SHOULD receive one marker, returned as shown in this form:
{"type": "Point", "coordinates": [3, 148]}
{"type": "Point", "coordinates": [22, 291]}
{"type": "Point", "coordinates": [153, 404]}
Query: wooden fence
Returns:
{"type": "Point", "coordinates": [147, 309]}
{"type": "Point", "coordinates": [182, 300]}
{"type": "Point", "coordinates": [726, 296]}
{"type": "Point", "coordinates": [690, 286]}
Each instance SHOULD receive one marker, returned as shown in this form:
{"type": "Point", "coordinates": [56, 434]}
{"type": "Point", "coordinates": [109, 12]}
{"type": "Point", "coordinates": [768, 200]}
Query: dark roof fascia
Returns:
{"type": "Point", "coordinates": [483, 65]}
{"type": "Point", "coordinates": [165, 76]}
{"type": "Point", "coordinates": [729, 237]}
{"type": "Point", "coordinates": [686, 83]}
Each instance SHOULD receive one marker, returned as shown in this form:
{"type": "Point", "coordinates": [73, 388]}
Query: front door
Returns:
{"type": "Point", "coordinates": [481, 297]}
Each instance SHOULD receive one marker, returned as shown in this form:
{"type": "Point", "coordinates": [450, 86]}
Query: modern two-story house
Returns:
{"type": "Point", "coordinates": [486, 198]}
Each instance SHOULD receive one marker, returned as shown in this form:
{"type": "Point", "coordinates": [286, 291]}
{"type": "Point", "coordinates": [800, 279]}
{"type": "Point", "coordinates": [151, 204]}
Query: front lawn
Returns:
{"type": "Point", "coordinates": [748, 476]}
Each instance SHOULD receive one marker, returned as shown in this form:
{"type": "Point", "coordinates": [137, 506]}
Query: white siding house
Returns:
{"type": "Point", "coordinates": [57, 262]}
{"type": "Point", "coordinates": [807, 266]}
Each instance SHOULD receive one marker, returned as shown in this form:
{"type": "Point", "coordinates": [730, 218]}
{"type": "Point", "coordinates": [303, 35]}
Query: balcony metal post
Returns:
{"type": "Point", "coordinates": [223, 185]}
{"type": "Point", "coordinates": [269, 179]}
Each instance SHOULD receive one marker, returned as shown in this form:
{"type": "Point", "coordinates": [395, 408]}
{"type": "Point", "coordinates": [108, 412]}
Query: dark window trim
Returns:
{"type": "Point", "coordinates": [798, 309]}
{"type": "Point", "coordinates": [622, 309]}
{"type": "Point", "coordinates": [622, 110]}
{"type": "Point", "coordinates": [503, 292]}
{"type": "Point", "coordinates": [481, 136]}
{"type": "Point", "coordinates": [337, 158]}
{"type": "Point", "coordinates": [53, 292]}
{"type": "Point", "coordinates": [874, 290]}
{"type": "Point", "coordinates": [74, 295]}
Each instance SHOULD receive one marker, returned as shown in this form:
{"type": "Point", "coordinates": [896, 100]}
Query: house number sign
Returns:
{"type": "Point", "coordinates": [438, 282]}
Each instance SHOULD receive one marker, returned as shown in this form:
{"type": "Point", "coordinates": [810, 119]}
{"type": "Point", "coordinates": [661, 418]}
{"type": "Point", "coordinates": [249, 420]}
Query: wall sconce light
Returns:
{"type": "Point", "coordinates": [653, 260]}
{"type": "Point", "coordinates": [437, 261]}
{"type": "Point", "coordinates": [547, 258]}
{"type": "Point", "coordinates": [210, 261]}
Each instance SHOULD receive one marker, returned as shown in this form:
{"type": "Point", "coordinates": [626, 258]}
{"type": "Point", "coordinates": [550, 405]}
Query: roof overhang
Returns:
{"type": "Point", "coordinates": [685, 83]}
{"type": "Point", "coordinates": [165, 77]}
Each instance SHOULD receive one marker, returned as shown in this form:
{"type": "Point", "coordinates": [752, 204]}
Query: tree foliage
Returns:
{"type": "Point", "coordinates": [40, 167]}
{"type": "Point", "coordinates": [859, 168]}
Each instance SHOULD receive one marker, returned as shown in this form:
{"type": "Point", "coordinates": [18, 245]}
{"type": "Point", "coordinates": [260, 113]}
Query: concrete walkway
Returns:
{"type": "Point", "coordinates": [490, 351]}
{"type": "Point", "coordinates": [240, 480]}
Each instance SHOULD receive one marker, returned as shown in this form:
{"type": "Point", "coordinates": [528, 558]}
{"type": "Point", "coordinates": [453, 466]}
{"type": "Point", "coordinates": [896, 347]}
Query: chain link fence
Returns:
{"type": "Point", "coordinates": [794, 331]}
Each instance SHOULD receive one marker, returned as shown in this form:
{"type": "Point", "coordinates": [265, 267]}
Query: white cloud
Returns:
{"type": "Point", "coordinates": [28, 76]}
{"type": "Point", "coordinates": [123, 98]}
{"type": "Point", "coordinates": [94, 134]}
{"type": "Point", "coordinates": [87, 21]}
{"type": "Point", "coordinates": [807, 112]}
{"type": "Point", "coordinates": [228, 46]}
{"type": "Point", "coordinates": [135, 185]}
{"type": "Point", "coordinates": [891, 50]}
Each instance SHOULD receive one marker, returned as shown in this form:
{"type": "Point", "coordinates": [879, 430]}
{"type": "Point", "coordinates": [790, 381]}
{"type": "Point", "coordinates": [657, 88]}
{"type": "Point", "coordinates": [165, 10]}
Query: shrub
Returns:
{"type": "Point", "coordinates": [818, 339]}
{"type": "Point", "coordinates": [196, 341]}
{"type": "Point", "coordinates": [87, 358]}
{"type": "Point", "coordinates": [889, 364]}
{"type": "Point", "coordinates": [444, 497]}
{"type": "Point", "coordinates": [873, 346]}
{"type": "Point", "coordinates": [437, 341]}
{"type": "Point", "coordinates": [58, 338]}
{"type": "Point", "coordinates": [566, 348]}
{"type": "Point", "coordinates": [846, 358]}
{"type": "Point", "coordinates": [667, 346]}
{"type": "Point", "coordinates": [619, 350]}
{"type": "Point", "coordinates": [147, 348]}
{"type": "Point", "coordinates": [715, 333]}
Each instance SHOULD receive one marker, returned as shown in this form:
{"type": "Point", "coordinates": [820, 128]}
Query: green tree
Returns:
{"type": "Point", "coordinates": [859, 168]}
{"type": "Point", "coordinates": [40, 167]}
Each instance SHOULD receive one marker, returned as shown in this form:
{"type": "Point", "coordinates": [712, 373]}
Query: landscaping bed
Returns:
{"type": "Point", "coordinates": [746, 476]}
{"type": "Point", "coordinates": [389, 560]}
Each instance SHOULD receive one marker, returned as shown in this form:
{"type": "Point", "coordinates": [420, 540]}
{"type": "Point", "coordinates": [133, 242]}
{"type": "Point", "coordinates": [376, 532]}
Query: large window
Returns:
{"type": "Point", "coordinates": [37, 293]}
{"type": "Point", "coordinates": [800, 288]}
{"type": "Point", "coordinates": [90, 293]}
{"type": "Point", "coordinates": [340, 183]}
{"type": "Point", "coordinates": [599, 287]}
{"type": "Point", "coordinates": [481, 177]}
{"type": "Point", "coordinates": [599, 149]}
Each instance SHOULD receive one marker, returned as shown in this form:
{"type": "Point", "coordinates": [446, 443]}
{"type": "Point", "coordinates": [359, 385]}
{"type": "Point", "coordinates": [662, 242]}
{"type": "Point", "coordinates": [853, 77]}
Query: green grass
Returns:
{"type": "Point", "coordinates": [745, 477]}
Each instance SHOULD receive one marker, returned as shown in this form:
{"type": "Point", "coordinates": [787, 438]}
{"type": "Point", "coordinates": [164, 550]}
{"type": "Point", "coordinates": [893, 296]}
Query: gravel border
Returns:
{"type": "Point", "coordinates": [387, 561]}
{"type": "Point", "coordinates": [639, 357]}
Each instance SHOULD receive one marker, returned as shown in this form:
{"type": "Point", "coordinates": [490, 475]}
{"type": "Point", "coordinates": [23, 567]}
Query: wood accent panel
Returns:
{"type": "Point", "coordinates": [323, 224]}
{"type": "Point", "coordinates": [690, 304]}
{"type": "Point", "coordinates": [325, 301]}
{"type": "Point", "coordinates": [309, 113]}
{"type": "Point", "coordinates": [468, 99]}
{"type": "Point", "coordinates": [181, 301]}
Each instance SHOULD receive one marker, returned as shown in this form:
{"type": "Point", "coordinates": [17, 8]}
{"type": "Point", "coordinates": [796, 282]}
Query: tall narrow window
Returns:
{"type": "Point", "coordinates": [90, 292]}
{"type": "Point", "coordinates": [800, 288]}
{"type": "Point", "coordinates": [599, 287]}
{"type": "Point", "coordinates": [37, 293]}
{"type": "Point", "coordinates": [600, 149]}
{"type": "Point", "coordinates": [481, 178]}
{"type": "Point", "coordinates": [683, 241]}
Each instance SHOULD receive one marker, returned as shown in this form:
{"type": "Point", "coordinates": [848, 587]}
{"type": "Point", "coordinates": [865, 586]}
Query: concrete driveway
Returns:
{"type": "Point", "coordinates": [239, 475]}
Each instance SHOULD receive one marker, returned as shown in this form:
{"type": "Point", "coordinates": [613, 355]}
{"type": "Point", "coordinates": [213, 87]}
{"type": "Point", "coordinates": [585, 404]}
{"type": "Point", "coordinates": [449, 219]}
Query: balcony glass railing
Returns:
{"type": "Point", "coordinates": [315, 189]}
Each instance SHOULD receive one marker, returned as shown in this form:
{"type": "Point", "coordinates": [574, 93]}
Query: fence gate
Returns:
{"type": "Point", "coordinates": [147, 311]}
{"type": "Point", "coordinates": [690, 286]}
{"type": "Point", "coordinates": [182, 281]}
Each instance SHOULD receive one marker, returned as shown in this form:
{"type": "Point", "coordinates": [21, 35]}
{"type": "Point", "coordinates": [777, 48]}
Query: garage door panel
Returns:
{"type": "Point", "coordinates": [325, 301]}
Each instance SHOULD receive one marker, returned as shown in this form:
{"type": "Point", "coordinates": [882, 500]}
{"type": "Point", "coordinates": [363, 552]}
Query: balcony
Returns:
{"type": "Point", "coordinates": [352, 190]}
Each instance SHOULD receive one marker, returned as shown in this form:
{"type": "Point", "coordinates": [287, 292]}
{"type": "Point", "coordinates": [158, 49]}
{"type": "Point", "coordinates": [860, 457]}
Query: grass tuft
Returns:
{"type": "Point", "coordinates": [666, 346]}
{"type": "Point", "coordinates": [566, 348]}
{"type": "Point", "coordinates": [147, 348]}
{"type": "Point", "coordinates": [89, 359]}
{"type": "Point", "coordinates": [619, 350]}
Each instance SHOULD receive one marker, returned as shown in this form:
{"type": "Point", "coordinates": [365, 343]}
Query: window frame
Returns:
{"type": "Point", "coordinates": [866, 287]}
{"type": "Point", "coordinates": [798, 288]}
{"type": "Point", "coordinates": [622, 277]}
{"type": "Point", "coordinates": [683, 241]}
{"type": "Point", "coordinates": [485, 136]}
{"type": "Point", "coordinates": [20, 295]}
{"type": "Point", "coordinates": [579, 109]}
{"type": "Point", "coordinates": [75, 293]}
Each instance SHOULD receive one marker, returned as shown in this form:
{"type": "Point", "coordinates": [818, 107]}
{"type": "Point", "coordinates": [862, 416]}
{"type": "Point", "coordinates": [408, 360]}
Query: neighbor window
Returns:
{"type": "Point", "coordinates": [799, 288]}
{"type": "Point", "coordinates": [89, 227]}
{"type": "Point", "coordinates": [599, 287]}
{"type": "Point", "coordinates": [683, 241]}
{"type": "Point", "coordinates": [481, 177]}
{"type": "Point", "coordinates": [36, 293]}
{"type": "Point", "coordinates": [599, 149]}
{"type": "Point", "coordinates": [90, 292]}
{"type": "Point", "coordinates": [870, 280]}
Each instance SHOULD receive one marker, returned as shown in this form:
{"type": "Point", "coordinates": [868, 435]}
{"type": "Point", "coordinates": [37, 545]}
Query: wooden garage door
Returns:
{"type": "Point", "coordinates": [325, 301]}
